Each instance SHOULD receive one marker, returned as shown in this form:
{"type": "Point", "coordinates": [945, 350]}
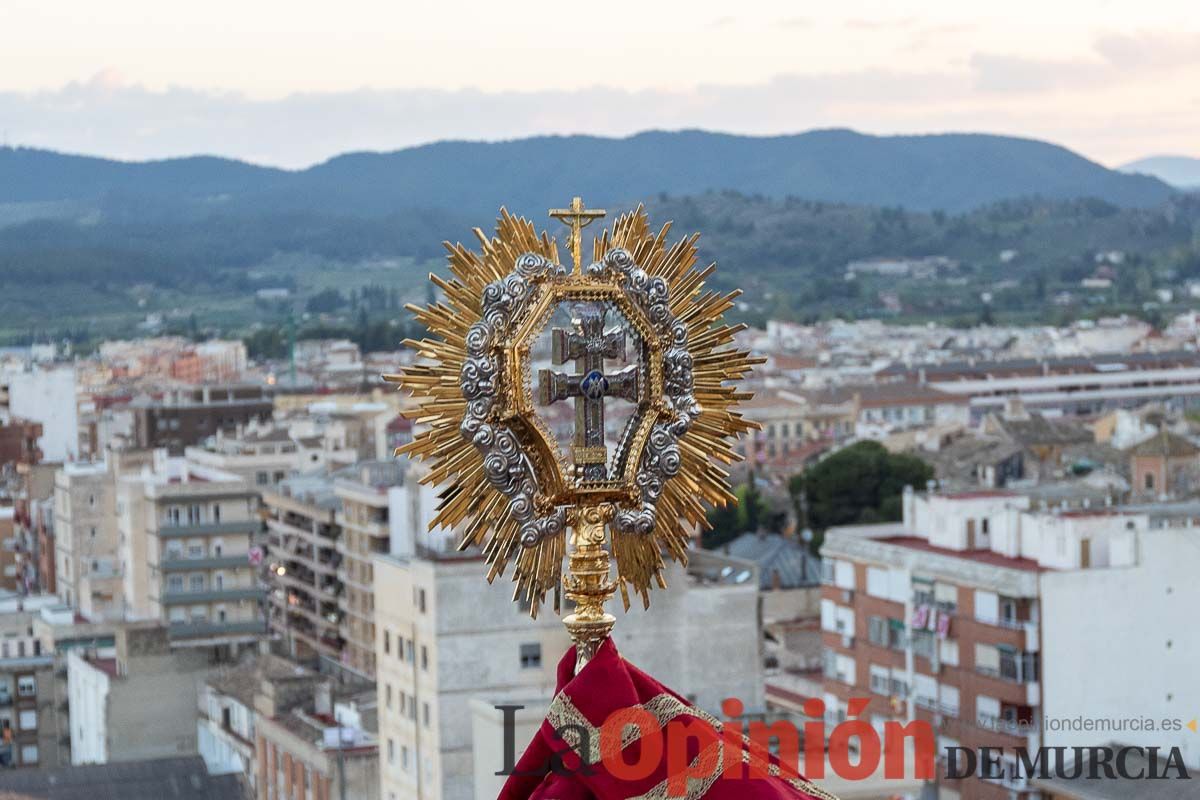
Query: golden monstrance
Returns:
{"type": "Point", "coordinates": [598, 399]}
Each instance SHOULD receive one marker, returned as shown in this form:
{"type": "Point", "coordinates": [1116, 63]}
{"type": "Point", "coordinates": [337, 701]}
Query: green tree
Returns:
{"type": "Point", "coordinates": [858, 484]}
{"type": "Point", "coordinates": [325, 301]}
{"type": "Point", "coordinates": [750, 513]}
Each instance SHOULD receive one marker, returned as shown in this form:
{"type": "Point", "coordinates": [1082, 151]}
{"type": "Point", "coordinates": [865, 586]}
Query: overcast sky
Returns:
{"type": "Point", "coordinates": [291, 83]}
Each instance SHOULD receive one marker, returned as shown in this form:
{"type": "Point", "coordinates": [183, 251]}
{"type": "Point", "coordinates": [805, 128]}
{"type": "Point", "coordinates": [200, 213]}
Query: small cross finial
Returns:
{"type": "Point", "coordinates": [578, 218]}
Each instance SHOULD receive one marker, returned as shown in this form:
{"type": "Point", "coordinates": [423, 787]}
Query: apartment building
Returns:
{"type": "Point", "coordinates": [60, 632]}
{"type": "Point", "coordinates": [262, 454]}
{"type": "Point", "coordinates": [87, 558]}
{"type": "Point", "coordinates": [436, 618]}
{"type": "Point", "coordinates": [26, 699]}
{"type": "Point", "coordinates": [1076, 386]}
{"type": "Point", "coordinates": [186, 533]}
{"type": "Point", "coordinates": [315, 745]}
{"type": "Point", "coordinates": [138, 703]}
{"type": "Point", "coordinates": [226, 720]}
{"type": "Point", "coordinates": [303, 532]}
{"type": "Point", "coordinates": [957, 615]}
{"type": "Point", "coordinates": [363, 493]}
{"type": "Point", "coordinates": [184, 417]}
{"type": "Point", "coordinates": [34, 504]}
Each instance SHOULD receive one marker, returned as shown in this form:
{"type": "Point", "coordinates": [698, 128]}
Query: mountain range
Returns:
{"type": "Point", "coordinates": [950, 172]}
{"type": "Point", "coordinates": [1179, 171]}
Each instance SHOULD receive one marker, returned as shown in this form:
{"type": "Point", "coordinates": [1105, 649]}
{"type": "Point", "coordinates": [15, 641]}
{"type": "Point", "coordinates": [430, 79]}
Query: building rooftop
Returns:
{"type": "Point", "coordinates": [1109, 362]}
{"type": "Point", "coordinates": [1165, 444]}
{"type": "Point", "coordinates": [313, 489]}
{"type": "Point", "coordinates": [1035, 429]}
{"type": "Point", "coordinates": [177, 778]}
{"type": "Point", "coordinates": [783, 563]}
{"type": "Point", "coordinates": [982, 556]}
{"type": "Point", "coordinates": [243, 681]}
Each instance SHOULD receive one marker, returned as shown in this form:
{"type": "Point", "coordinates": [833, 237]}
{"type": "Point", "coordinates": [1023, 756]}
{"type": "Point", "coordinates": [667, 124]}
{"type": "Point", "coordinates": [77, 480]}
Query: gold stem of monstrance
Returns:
{"type": "Point", "coordinates": [588, 583]}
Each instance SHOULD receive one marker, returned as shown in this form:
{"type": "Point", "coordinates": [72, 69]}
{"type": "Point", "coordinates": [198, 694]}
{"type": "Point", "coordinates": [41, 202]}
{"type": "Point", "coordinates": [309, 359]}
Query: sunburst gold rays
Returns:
{"type": "Point", "coordinates": [470, 505]}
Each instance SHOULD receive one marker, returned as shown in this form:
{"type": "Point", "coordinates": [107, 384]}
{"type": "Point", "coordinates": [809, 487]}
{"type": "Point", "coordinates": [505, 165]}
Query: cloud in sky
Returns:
{"type": "Point", "coordinates": [1122, 101]}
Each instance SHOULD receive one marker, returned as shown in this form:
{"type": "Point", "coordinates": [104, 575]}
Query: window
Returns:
{"type": "Point", "coordinates": [29, 754]}
{"type": "Point", "coordinates": [946, 596]}
{"type": "Point", "coordinates": [877, 631]}
{"type": "Point", "coordinates": [924, 644]}
{"type": "Point", "coordinates": [196, 583]}
{"type": "Point", "coordinates": [987, 606]}
{"type": "Point", "coordinates": [1008, 610]}
{"type": "Point", "coordinates": [1149, 480]}
{"type": "Point", "coordinates": [262, 479]}
{"type": "Point", "coordinates": [216, 513]}
{"type": "Point", "coordinates": [411, 653]}
{"type": "Point", "coordinates": [425, 714]}
{"type": "Point", "coordinates": [531, 656]}
{"type": "Point", "coordinates": [196, 551]}
{"type": "Point", "coordinates": [27, 686]}
{"type": "Point", "coordinates": [404, 757]}
{"type": "Point", "coordinates": [28, 720]}
{"type": "Point", "coordinates": [391, 751]}
{"type": "Point", "coordinates": [219, 581]}
{"type": "Point", "coordinates": [387, 642]}
{"type": "Point", "coordinates": [987, 659]}
{"type": "Point", "coordinates": [387, 693]}
{"type": "Point", "coordinates": [175, 583]}
{"type": "Point", "coordinates": [880, 678]}
{"type": "Point", "coordinates": [896, 635]}
{"type": "Point", "coordinates": [424, 659]}
{"type": "Point", "coordinates": [421, 600]}
{"type": "Point", "coordinates": [948, 700]}
{"type": "Point", "coordinates": [877, 582]}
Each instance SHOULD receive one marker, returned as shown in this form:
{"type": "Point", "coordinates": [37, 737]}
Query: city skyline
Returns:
{"type": "Point", "coordinates": [1112, 82]}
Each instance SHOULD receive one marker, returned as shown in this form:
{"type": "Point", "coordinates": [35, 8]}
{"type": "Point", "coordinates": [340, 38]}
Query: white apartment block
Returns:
{"type": "Point", "coordinates": [363, 491]}
{"type": "Point", "coordinates": [989, 619]}
{"type": "Point", "coordinates": [46, 394]}
{"type": "Point", "coordinates": [87, 559]}
{"type": "Point", "coordinates": [262, 454]}
{"type": "Point", "coordinates": [186, 533]}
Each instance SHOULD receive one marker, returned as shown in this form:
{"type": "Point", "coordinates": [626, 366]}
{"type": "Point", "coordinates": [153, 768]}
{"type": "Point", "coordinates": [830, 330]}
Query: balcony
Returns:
{"type": "Point", "coordinates": [211, 596]}
{"type": "Point", "coordinates": [246, 527]}
{"type": "Point", "coordinates": [215, 562]}
{"type": "Point", "coordinates": [187, 630]}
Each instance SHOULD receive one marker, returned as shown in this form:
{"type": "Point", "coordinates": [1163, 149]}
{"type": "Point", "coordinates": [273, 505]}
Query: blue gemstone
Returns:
{"type": "Point", "coordinates": [594, 385]}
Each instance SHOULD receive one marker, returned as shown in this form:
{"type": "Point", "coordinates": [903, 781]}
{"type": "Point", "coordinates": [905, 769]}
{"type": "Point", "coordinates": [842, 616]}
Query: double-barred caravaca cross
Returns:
{"type": "Point", "coordinates": [588, 346]}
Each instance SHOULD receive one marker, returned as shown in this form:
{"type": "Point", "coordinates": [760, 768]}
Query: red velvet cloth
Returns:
{"type": "Point", "coordinates": [608, 684]}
